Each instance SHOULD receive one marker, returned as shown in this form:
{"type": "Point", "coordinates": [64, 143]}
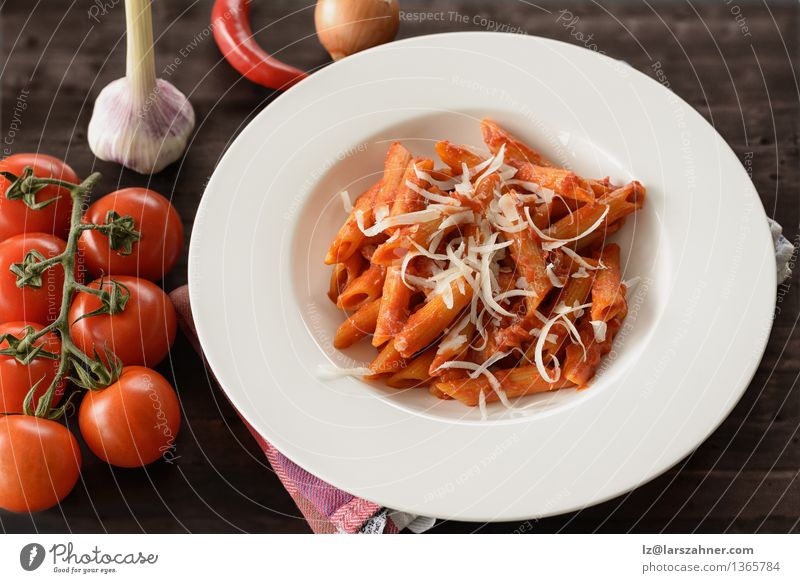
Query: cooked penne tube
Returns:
{"type": "Point", "coordinates": [517, 152]}
{"type": "Point", "coordinates": [357, 325]}
{"type": "Point", "coordinates": [350, 237]}
{"type": "Point", "coordinates": [484, 348]}
{"type": "Point", "coordinates": [454, 346]}
{"type": "Point", "coordinates": [394, 168]}
{"type": "Point", "coordinates": [397, 248]}
{"type": "Point", "coordinates": [363, 289]}
{"type": "Point", "coordinates": [427, 323]}
{"type": "Point", "coordinates": [574, 293]}
{"type": "Point", "coordinates": [601, 187]}
{"type": "Point", "coordinates": [515, 382]}
{"type": "Point", "coordinates": [415, 374]}
{"type": "Point", "coordinates": [343, 274]}
{"type": "Point", "coordinates": [608, 295]}
{"type": "Point", "coordinates": [407, 200]}
{"type": "Point", "coordinates": [596, 239]}
{"type": "Point", "coordinates": [620, 203]}
{"type": "Point", "coordinates": [388, 361]}
{"type": "Point", "coordinates": [393, 312]}
{"type": "Point", "coordinates": [581, 362]}
{"type": "Point", "coordinates": [434, 390]}
{"type": "Point", "coordinates": [526, 250]}
{"type": "Point", "coordinates": [560, 180]}
{"type": "Point", "coordinates": [455, 156]}
{"type": "Point", "coordinates": [484, 194]}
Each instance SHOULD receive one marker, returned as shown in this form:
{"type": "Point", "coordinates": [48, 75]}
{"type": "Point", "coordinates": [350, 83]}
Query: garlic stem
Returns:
{"type": "Point", "coordinates": [140, 68]}
{"type": "Point", "coordinates": [140, 121]}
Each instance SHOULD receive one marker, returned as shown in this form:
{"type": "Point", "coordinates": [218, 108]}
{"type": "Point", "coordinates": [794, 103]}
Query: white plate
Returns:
{"type": "Point", "coordinates": [698, 321]}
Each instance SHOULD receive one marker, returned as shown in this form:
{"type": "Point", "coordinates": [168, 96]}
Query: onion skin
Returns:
{"type": "Point", "coordinates": [345, 27]}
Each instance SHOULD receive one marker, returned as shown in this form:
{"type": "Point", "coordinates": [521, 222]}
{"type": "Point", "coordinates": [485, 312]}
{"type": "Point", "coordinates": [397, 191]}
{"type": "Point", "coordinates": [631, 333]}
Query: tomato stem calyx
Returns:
{"type": "Point", "coordinates": [120, 232]}
{"type": "Point", "coordinates": [111, 302]}
{"type": "Point", "coordinates": [23, 348]}
{"type": "Point", "coordinates": [94, 374]}
{"type": "Point", "coordinates": [26, 186]}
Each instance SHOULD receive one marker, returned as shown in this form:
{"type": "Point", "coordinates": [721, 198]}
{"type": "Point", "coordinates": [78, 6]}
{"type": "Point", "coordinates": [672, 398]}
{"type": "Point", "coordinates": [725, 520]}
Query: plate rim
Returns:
{"type": "Point", "coordinates": [195, 292]}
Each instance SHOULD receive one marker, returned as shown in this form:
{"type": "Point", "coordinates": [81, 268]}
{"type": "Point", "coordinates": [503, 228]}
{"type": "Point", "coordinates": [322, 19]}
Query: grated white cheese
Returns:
{"type": "Point", "coordinates": [551, 275]}
{"type": "Point", "coordinates": [630, 284]}
{"type": "Point", "coordinates": [580, 260]}
{"type": "Point", "coordinates": [432, 196]}
{"type": "Point", "coordinates": [600, 328]}
{"type": "Point", "coordinates": [478, 369]}
{"type": "Point", "coordinates": [494, 164]}
{"type": "Point", "coordinates": [545, 195]}
{"type": "Point", "coordinates": [454, 340]}
{"type": "Point", "coordinates": [464, 187]}
{"type": "Point", "coordinates": [348, 206]}
{"type": "Point", "coordinates": [462, 218]}
{"type": "Point", "coordinates": [581, 273]}
{"type": "Point", "coordinates": [508, 206]}
{"type": "Point", "coordinates": [490, 248]}
{"type": "Point", "coordinates": [383, 221]}
{"type": "Point", "coordinates": [482, 406]}
{"type": "Point", "coordinates": [561, 311]}
{"type": "Point", "coordinates": [554, 243]}
{"type": "Point", "coordinates": [443, 184]}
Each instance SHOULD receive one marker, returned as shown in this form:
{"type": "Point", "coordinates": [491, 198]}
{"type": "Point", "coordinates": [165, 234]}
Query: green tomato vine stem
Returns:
{"type": "Point", "coordinates": [93, 372]}
{"type": "Point", "coordinates": [78, 194]}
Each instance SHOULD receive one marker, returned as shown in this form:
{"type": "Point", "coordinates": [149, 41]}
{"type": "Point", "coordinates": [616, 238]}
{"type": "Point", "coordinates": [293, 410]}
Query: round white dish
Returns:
{"type": "Point", "coordinates": [698, 323]}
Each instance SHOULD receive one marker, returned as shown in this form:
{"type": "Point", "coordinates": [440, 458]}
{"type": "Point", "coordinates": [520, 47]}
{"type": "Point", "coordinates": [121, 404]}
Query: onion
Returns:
{"type": "Point", "coordinates": [345, 27]}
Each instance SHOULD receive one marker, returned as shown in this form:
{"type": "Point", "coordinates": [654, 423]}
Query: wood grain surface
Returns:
{"type": "Point", "coordinates": [741, 75]}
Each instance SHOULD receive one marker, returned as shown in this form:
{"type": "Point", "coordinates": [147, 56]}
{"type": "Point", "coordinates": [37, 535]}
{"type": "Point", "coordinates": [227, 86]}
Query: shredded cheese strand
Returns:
{"type": "Point", "coordinates": [554, 243]}
{"type": "Point", "coordinates": [348, 206]}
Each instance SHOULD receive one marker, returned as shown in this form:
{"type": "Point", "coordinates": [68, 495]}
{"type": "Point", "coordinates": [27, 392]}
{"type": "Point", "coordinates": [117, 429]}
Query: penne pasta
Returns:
{"type": "Point", "coordinates": [350, 237]}
{"type": "Point", "coordinates": [363, 289]}
{"type": "Point", "coordinates": [408, 200]}
{"type": "Point", "coordinates": [343, 275]}
{"type": "Point", "coordinates": [559, 180]}
{"type": "Point", "coordinates": [427, 323]}
{"type": "Point", "coordinates": [608, 295]}
{"type": "Point", "coordinates": [526, 250]}
{"type": "Point", "coordinates": [388, 361]}
{"type": "Point", "coordinates": [517, 152]}
{"type": "Point", "coordinates": [415, 374]}
{"type": "Point", "coordinates": [358, 325]}
{"type": "Point", "coordinates": [454, 347]}
{"type": "Point", "coordinates": [619, 203]}
{"type": "Point", "coordinates": [581, 362]}
{"type": "Point", "coordinates": [394, 168]}
{"type": "Point", "coordinates": [397, 248]}
{"type": "Point", "coordinates": [515, 382]}
{"type": "Point", "coordinates": [456, 156]}
{"type": "Point", "coordinates": [394, 307]}
{"type": "Point", "coordinates": [465, 273]}
{"type": "Point", "coordinates": [596, 239]}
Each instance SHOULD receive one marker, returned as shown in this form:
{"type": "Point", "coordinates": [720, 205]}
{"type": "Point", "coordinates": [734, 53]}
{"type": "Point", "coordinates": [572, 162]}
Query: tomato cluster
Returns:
{"type": "Point", "coordinates": [134, 420]}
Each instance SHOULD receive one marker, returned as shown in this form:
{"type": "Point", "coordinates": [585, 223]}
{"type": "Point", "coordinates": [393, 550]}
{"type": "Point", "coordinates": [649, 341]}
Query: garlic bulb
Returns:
{"type": "Point", "coordinates": [139, 121]}
{"type": "Point", "coordinates": [345, 27]}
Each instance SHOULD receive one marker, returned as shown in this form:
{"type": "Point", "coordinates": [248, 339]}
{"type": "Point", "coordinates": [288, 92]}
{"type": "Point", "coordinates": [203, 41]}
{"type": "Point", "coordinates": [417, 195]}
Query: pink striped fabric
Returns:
{"type": "Point", "coordinates": [327, 509]}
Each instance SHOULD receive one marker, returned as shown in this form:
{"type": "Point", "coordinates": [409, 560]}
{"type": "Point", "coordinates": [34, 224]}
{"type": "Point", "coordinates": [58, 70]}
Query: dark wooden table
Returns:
{"type": "Point", "coordinates": [734, 61]}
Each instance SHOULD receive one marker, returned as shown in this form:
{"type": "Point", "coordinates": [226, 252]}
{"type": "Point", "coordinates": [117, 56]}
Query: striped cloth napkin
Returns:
{"type": "Point", "coordinates": [327, 509]}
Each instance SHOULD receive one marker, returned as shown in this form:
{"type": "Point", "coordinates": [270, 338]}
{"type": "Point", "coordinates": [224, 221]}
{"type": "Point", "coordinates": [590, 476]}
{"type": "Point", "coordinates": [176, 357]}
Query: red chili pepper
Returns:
{"type": "Point", "coordinates": [230, 21]}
